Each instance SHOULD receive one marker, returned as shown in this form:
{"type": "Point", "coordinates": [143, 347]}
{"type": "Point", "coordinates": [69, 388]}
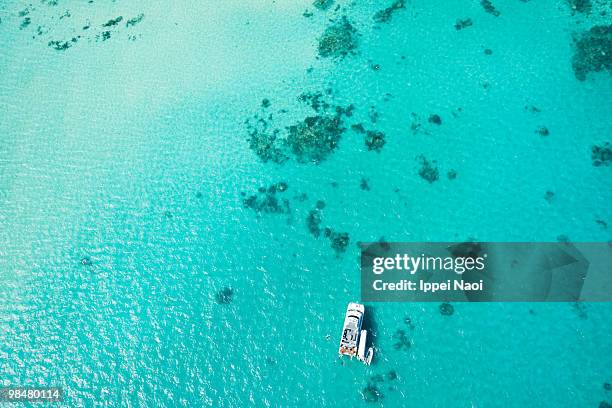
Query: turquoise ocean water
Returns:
{"type": "Point", "coordinates": [140, 265]}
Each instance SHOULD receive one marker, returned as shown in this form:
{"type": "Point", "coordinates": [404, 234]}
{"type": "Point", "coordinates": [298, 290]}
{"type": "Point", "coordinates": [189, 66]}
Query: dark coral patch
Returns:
{"type": "Point", "coordinates": [375, 140]}
{"type": "Point", "coordinates": [267, 201]}
{"type": "Point", "coordinates": [264, 141]}
{"type": "Point", "coordinates": [446, 309]}
{"type": "Point", "coordinates": [549, 195]}
{"type": "Point", "coordinates": [593, 51]}
{"type": "Point", "coordinates": [489, 7]}
{"type": "Point", "coordinates": [384, 15]}
{"type": "Point", "coordinates": [225, 296]}
{"type": "Point", "coordinates": [59, 45]}
{"type": "Point", "coordinates": [428, 171]}
{"type": "Point", "coordinates": [364, 184]}
{"type": "Point", "coordinates": [402, 340]}
{"type": "Point", "coordinates": [339, 241]}
{"type": "Point", "coordinates": [113, 22]}
{"type": "Point", "coordinates": [314, 219]}
{"type": "Point", "coordinates": [543, 131]}
{"type": "Point", "coordinates": [338, 40]}
{"type": "Point", "coordinates": [371, 393]}
{"type": "Point", "coordinates": [358, 128]}
{"type": "Point", "coordinates": [323, 4]}
{"type": "Point", "coordinates": [601, 155]}
{"type": "Point", "coordinates": [435, 119]}
{"type": "Point", "coordinates": [313, 139]}
{"type": "Point", "coordinates": [135, 20]}
{"type": "Point", "coordinates": [460, 24]}
{"type": "Point", "coordinates": [581, 6]}
{"type": "Point", "coordinates": [315, 100]}
{"type": "Point", "coordinates": [26, 22]}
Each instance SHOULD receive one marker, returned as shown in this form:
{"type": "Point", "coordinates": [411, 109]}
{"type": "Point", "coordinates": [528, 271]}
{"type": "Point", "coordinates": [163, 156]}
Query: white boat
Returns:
{"type": "Point", "coordinates": [354, 340]}
{"type": "Point", "coordinates": [351, 330]}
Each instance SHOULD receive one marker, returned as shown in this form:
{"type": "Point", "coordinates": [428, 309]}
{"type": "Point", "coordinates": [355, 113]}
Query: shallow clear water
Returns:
{"type": "Point", "coordinates": [123, 160]}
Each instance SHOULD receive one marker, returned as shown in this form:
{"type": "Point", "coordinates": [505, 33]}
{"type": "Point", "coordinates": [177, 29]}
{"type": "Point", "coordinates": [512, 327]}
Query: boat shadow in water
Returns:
{"type": "Point", "coordinates": [369, 324]}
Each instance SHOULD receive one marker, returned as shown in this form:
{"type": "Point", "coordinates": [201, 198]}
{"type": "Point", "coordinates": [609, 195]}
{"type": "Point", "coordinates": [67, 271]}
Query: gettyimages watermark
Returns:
{"type": "Point", "coordinates": [486, 272]}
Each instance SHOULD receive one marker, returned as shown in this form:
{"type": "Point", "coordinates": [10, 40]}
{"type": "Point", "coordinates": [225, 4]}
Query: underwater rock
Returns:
{"type": "Point", "coordinates": [266, 201]}
{"type": "Point", "coordinates": [581, 6]}
{"type": "Point", "coordinates": [489, 7]}
{"type": "Point", "coordinates": [375, 140]}
{"type": "Point", "coordinates": [392, 375]}
{"type": "Point", "coordinates": [113, 22]}
{"type": "Point", "coordinates": [383, 16]}
{"type": "Point", "coordinates": [446, 309]}
{"type": "Point", "coordinates": [265, 103]}
{"type": "Point", "coordinates": [371, 393]}
{"type": "Point", "coordinates": [488, 51]}
{"type": "Point", "coordinates": [592, 51]}
{"type": "Point", "coordinates": [105, 35]}
{"type": "Point", "coordinates": [313, 139]}
{"type": "Point", "coordinates": [607, 386]}
{"type": "Point", "coordinates": [86, 261]}
{"type": "Point", "coordinates": [601, 155]}
{"type": "Point", "coordinates": [168, 214]}
{"type": "Point", "coordinates": [435, 119]}
{"type": "Point", "coordinates": [323, 4]}
{"type": "Point", "coordinates": [402, 343]}
{"type": "Point", "coordinates": [461, 24]}
{"type": "Point", "coordinates": [224, 296]}
{"type": "Point", "coordinates": [602, 224]}
{"type": "Point", "coordinates": [338, 40]}
{"type": "Point", "coordinates": [451, 174]}
{"type": "Point", "coordinates": [429, 170]}
{"type": "Point", "coordinates": [604, 404]}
